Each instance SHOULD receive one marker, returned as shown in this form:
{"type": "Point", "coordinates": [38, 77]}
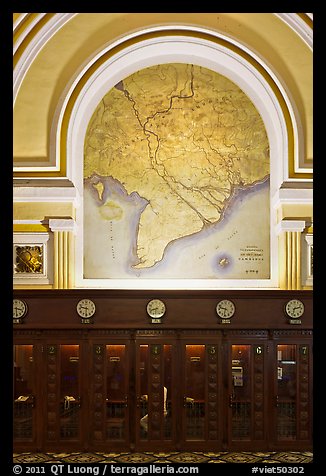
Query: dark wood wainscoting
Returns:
{"type": "Point", "coordinates": [122, 380]}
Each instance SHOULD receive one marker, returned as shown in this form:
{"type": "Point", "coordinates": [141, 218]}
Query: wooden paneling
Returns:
{"type": "Point", "coordinates": [259, 323]}
{"type": "Point", "coordinates": [263, 309]}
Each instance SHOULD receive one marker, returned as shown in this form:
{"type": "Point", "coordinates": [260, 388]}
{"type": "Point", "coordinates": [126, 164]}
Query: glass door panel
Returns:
{"type": "Point", "coordinates": [194, 398]}
{"type": "Point", "coordinates": [142, 400]}
{"type": "Point", "coordinates": [24, 392]}
{"type": "Point", "coordinates": [154, 392]}
{"type": "Point", "coordinates": [167, 391]}
{"type": "Point", "coordinates": [69, 392]}
{"type": "Point", "coordinates": [286, 392]}
{"type": "Point", "coordinates": [240, 399]}
{"type": "Point", "coordinates": [117, 381]}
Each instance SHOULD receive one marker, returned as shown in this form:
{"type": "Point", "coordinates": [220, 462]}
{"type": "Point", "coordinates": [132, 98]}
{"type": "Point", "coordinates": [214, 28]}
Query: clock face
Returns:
{"type": "Point", "coordinates": [225, 309]}
{"type": "Point", "coordinates": [156, 308]}
{"type": "Point", "coordinates": [19, 308]}
{"type": "Point", "coordinates": [85, 308]}
{"type": "Point", "coordinates": [294, 308]}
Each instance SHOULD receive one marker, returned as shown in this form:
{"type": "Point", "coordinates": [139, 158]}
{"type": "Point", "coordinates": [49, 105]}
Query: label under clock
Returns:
{"type": "Point", "coordinates": [225, 321]}
{"type": "Point", "coordinates": [156, 321]}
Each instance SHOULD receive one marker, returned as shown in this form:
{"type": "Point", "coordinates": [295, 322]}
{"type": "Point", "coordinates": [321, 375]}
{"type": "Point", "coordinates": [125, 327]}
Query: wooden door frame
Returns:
{"type": "Point", "coordinates": [57, 339]}
{"type": "Point", "coordinates": [38, 410]}
{"type": "Point", "coordinates": [251, 444]}
{"type": "Point", "coordinates": [206, 338]}
{"type": "Point", "coordinates": [166, 338]}
{"type": "Point", "coordinates": [98, 339]}
{"type": "Point", "coordinates": [300, 341]}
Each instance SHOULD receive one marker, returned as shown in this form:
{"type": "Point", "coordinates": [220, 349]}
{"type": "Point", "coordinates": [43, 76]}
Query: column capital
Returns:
{"type": "Point", "coordinates": [290, 225]}
{"type": "Point", "coordinates": [62, 224]}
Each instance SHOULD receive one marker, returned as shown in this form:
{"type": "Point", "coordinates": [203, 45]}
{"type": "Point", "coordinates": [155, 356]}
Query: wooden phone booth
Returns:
{"type": "Point", "coordinates": [121, 379]}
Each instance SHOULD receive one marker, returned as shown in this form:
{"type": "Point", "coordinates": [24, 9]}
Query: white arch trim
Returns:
{"type": "Point", "coordinates": [35, 45]}
{"type": "Point", "coordinates": [173, 50]}
{"type": "Point", "coordinates": [55, 153]}
{"type": "Point", "coordinates": [298, 25]}
{"type": "Point", "coordinates": [184, 49]}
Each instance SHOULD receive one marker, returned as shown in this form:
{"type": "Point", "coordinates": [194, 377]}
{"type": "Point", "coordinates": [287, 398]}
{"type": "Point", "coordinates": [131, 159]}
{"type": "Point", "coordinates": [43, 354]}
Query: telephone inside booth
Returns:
{"type": "Point", "coordinates": [237, 376]}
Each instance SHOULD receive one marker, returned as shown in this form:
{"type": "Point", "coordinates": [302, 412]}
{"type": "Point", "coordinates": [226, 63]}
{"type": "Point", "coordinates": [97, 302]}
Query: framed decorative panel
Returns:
{"type": "Point", "coordinates": [32, 258]}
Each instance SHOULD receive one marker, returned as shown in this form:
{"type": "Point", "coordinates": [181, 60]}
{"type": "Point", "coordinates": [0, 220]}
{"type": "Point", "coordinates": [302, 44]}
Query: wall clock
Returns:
{"type": "Point", "coordinates": [86, 308]}
{"type": "Point", "coordinates": [225, 309]}
{"type": "Point", "coordinates": [19, 308]}
{"type": "Point", "coordinates": [294, 308]}
{"type": "Point", "coordinates": [156, 308]}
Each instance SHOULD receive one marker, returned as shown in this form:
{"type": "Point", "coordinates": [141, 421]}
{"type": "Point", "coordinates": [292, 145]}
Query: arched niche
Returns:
{"type": "Point", "coordinates": [202, 48]}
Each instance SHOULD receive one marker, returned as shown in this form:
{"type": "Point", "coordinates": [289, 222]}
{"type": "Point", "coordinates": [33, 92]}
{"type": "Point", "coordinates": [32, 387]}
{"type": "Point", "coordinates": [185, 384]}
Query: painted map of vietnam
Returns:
{"type": "Point", "coordinates": [185, 139]}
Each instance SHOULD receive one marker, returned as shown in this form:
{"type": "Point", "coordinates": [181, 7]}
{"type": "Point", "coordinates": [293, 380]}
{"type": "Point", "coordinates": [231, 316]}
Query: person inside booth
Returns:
{"type": "Point", "coordinates": [144, 419]}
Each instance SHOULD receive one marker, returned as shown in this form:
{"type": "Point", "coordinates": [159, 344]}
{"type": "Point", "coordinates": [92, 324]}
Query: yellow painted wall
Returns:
{"type": "Point", "coordinates": [78, 40]}
{"type": "Point", "coordinates": [295, 211]}
{"type": "Point", "coordinates": [87, 33]}
{"type": "Point", "coordinates": [42, 210]}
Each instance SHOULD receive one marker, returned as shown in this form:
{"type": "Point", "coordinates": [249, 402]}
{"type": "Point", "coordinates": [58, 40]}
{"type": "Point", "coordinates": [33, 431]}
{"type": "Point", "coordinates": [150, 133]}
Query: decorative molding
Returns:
{"type": "Point", "coordinates": [200, 332]}
{"type": "Point", "coordinates": [153, 333]}
{"type": "Point", "coordinates": [45, 190]}
{"type": "Point", "coordinates": [301, 27]}
{"type": "Point", "coordinates": [62, 224]}
{"type": "Point", "coordinates": [290, 333]}
{"type": "Point", "coordinates": [19, 21]}
{"type": "Point", "coordinates": [23, 26]}
{"type": "Point", "coordinates": [290, 195]}
{"type": "Point", "coordinates": [112, 332]}
{"type": "Point", "coordinates": [163, 38]}
{"type": "Point", "coordinates": [246, 332]}
{"type": "Point", "coordinates": [290, 225]}
{"type": "Point", "coordinates": [31, 40]}
{"type": "Point", "coordinates": [27, 332]}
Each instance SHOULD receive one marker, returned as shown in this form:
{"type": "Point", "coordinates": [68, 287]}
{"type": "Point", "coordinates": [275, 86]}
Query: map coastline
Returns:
{"type": "Point", "coordinates": [134, 205]}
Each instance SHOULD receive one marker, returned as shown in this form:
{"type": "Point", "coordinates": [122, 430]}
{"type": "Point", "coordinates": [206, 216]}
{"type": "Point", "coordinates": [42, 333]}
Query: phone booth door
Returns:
{"type": "Point", "coordinates": [25, 396]}
{"type": "Point", "coordinates": [201, 409]}
{"type": "Point", "coordinates": [247, 403]}
{"type": "Point", "coordinates": [155, 412]}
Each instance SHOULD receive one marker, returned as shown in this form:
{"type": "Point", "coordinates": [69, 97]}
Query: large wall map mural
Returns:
{"type": "Point", "coordinates": [176, 179]}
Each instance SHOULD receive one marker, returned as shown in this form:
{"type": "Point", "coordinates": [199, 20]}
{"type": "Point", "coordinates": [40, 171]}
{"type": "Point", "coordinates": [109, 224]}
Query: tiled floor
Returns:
{"type": "Point", "coordinates": [196, 457]}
